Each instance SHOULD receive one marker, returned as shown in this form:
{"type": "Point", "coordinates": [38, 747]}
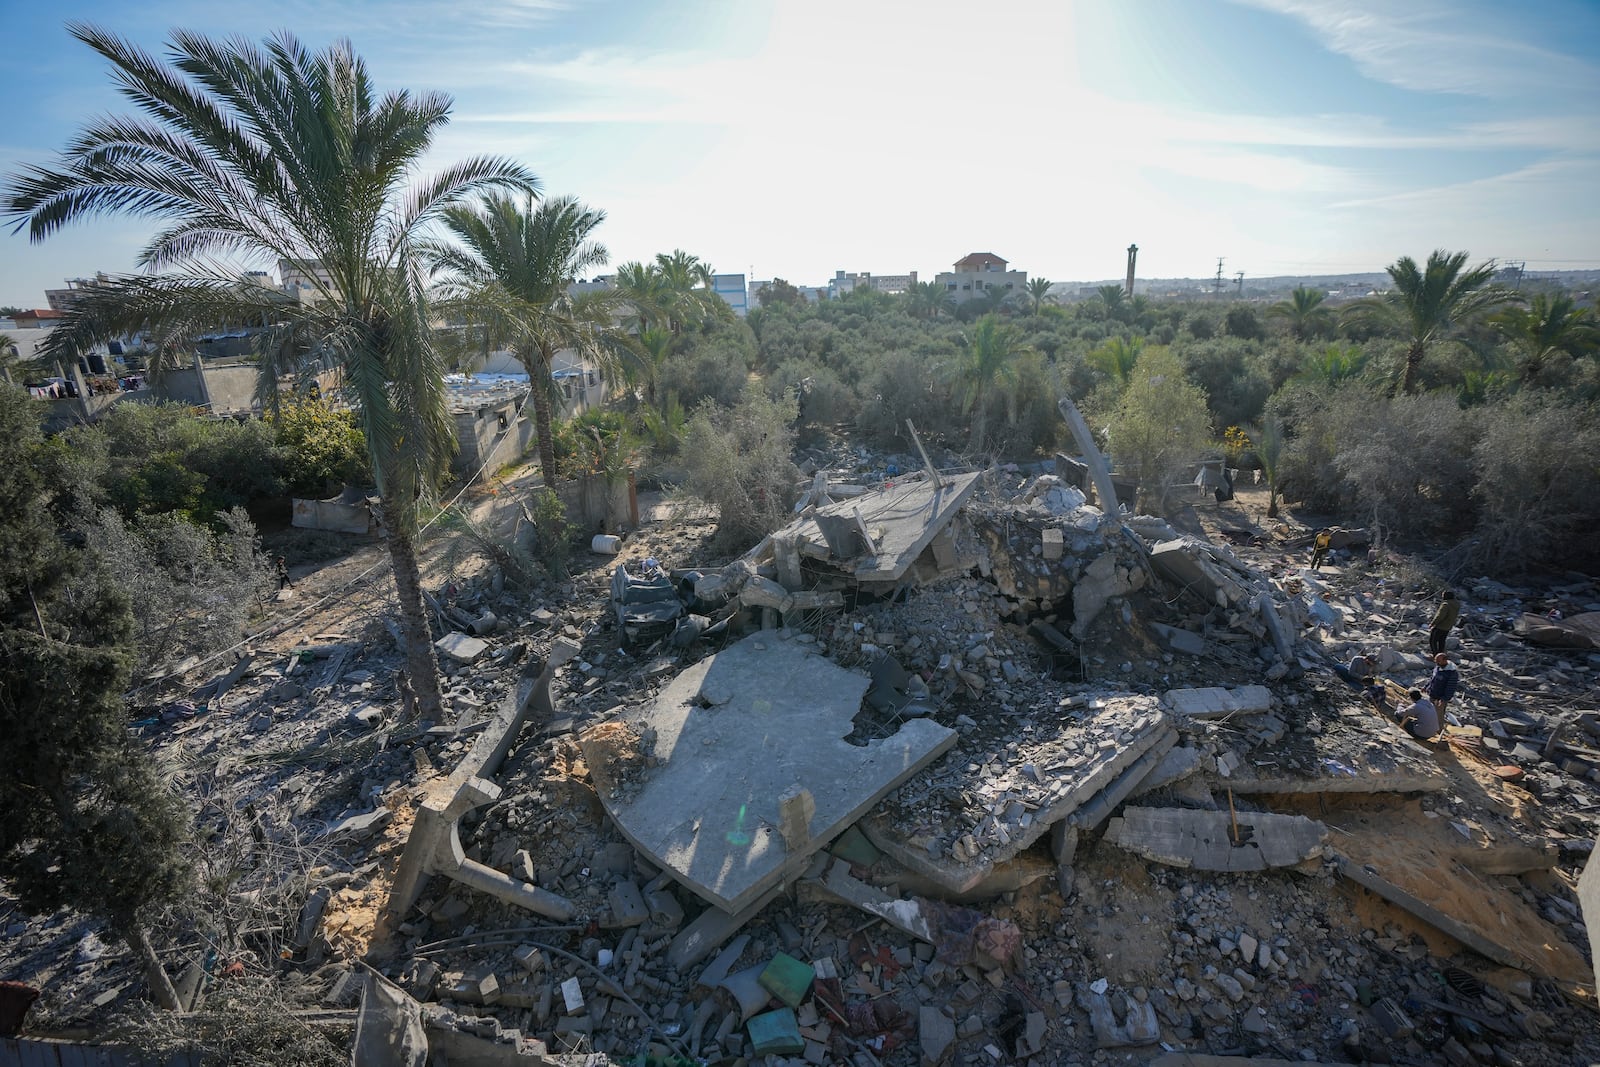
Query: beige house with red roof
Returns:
{"type": "Point", "coordinates": [979, 274]}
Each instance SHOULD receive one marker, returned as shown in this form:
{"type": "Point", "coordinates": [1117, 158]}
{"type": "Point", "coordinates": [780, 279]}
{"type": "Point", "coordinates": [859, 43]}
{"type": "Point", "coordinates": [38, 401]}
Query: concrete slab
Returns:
{"type": "Point", "coordinates": [1385, 761]}
{"type": "Point", "coordinates": [903, 521]}
{"type": "Point", "coordinates": [1203, 840]}
{"type": "Point", "coordinates": [461, 648]}
{"type": "Point", "coordinates": [1215, 702]}
{"type": "Point", "coordinates": [1589, 901]}
{"type": "Point", "coordinates": [979, 808]}
{"type": "Point", "coordinates": [697, 788]}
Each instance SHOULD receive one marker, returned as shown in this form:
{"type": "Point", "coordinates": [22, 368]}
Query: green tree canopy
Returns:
{"type": "Point", "coordinates": [1426, 305]}
{"type": "Point", "coordinates": [282, 154]}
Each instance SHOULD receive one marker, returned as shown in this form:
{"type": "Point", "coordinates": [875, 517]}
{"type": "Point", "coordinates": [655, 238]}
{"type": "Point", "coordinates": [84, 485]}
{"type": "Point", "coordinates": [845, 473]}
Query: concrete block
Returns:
{"type": "Point", "coordinates": [1053, 543]}
{"type": "Point", "coordinates": [1215, 702]}
{"type": "Point", "coordinates": [1179, 640]}
{"type": "Point", "coordinates": [776, 1033]}
{"type": "Point", "coordinates": [787, 979]}
{"type": "Point", "coordinates": [461, 648]}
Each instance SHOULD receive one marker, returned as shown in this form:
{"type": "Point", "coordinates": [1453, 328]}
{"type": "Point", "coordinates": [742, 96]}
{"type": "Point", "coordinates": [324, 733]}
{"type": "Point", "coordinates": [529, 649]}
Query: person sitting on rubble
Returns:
{"type": "Point", "coordinates": [1443, 620]}
{"type": "Point", "coordinates": [1319, 548]}
{"type": "Point", "coordinates": [1356, 675]}
{"type": "Point", "coordinates": [1373, 692]}
{"type": "Point", "coordinates": [1443, 683]}
{"type": "Point", "coordinates": [1420, 718]}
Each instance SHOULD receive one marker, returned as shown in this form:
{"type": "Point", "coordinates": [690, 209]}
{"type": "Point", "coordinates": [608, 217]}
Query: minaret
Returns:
{"type": "Point", "coordinates": [1133, 255]}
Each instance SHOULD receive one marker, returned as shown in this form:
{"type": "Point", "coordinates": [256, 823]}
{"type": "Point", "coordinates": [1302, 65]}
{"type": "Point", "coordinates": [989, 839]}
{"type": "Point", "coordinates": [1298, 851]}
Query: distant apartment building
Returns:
{"type": "Point", "coordinates": [843, 284]}
{"type": "Point", "coordinates": [976, 274]}
{"type": "Point", "coordinates": [733, 290]}
{"type": "Point", "coordinates": [306, 279]}
{"type": "Point", "coordinates": [598, 284]}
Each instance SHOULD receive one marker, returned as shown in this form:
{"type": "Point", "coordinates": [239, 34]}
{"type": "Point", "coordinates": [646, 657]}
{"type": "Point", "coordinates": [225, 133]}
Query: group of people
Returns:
{"type": "Point", "coordinates": [1423, 713]}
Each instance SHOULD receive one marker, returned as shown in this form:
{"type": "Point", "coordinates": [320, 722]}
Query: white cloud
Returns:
{"type": "Point", "coordinates": [1430, 46]}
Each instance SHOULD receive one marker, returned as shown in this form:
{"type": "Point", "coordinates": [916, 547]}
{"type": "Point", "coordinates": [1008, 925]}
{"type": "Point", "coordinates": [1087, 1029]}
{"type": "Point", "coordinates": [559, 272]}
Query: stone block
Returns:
{"type": "Point", "coordinates": [461, 648]}
{"type": "Point", "coordinates": [776, 1033]}
{"type": "Point", "coordinates": [1215, 702]}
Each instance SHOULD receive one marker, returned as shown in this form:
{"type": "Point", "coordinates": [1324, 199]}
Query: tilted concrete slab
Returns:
{"type": "Point", "coordinates": [903, 521]}
{"type": "Point", "coordinates": [979, 807]}
{"type": "Point", "coordinates": [1378, 758]}
{"type": "Point", "coordinates": [1203, 840]}
{"type": "Point", "coordinates": [694, 778]}
{"type": "Point", "coordinates": [1215, 702]}
{"type": "Point", "coordinates": [1589, 901]}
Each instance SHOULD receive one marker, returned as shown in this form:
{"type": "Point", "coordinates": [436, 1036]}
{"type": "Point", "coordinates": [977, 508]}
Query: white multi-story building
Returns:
{"type": "Point", "coordinates": [843, 283]}
{"type": "Point", "coordinates": [978, 273]}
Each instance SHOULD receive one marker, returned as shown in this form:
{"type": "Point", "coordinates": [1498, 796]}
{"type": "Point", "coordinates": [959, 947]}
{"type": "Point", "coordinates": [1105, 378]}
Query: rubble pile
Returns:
{"type": "Point", "coordinates": [956, 768]}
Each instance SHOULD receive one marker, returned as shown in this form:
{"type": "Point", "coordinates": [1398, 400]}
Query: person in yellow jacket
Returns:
{"type": "Point", "coordinates": [1319, 548]}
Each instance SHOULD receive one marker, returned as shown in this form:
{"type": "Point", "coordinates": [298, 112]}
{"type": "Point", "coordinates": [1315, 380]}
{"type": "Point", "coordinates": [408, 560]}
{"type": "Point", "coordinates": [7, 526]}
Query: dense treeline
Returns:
{"type": "Point", "coordinates": [1446, 409]}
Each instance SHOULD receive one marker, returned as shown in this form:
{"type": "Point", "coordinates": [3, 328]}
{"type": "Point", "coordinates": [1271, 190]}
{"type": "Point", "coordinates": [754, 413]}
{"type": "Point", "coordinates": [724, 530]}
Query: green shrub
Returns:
{"type": "Point", "coordinates": [323, 449]}
{"type": "Point", "coordinates": [737, 461]}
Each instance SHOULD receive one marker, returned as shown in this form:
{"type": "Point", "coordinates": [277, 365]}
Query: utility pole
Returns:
{"type": "Point", "coordinates": [1217, 289]}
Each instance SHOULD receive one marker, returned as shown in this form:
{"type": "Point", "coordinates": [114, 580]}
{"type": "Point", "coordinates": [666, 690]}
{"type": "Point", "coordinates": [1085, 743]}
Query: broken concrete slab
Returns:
{"type": "Point", "coordinates": [1178, 763]}
{"type": "Point", "coordinates": [1589, 903]}
{"type": "Point", "coordinates": [1468, 936]}
{"type": "Point", "coordinates": [1386, 762]}
{"type": "Point", "coordinates": [1179, 640]}
{"type": "Point", "coordinates": [1190, 565]}
{"type": "Point", "coordinates": [1008, 803]}
{"type": "Point", "coordinates": [434, 847]}
{"type": "Point", "coordinates": [902, 521]}
{"type": "Point", "coordinates": [707, 811]}
{"type": "Point", "coordinates": [1216, 702]}
{"type": "Point", "coordinates": [1203, 840]}
{"type": "Point", "coordinates": [461, 648]}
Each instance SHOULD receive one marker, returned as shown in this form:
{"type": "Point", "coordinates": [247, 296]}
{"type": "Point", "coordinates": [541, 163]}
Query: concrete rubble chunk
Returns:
{"type": "Point", "coordinates": [461, 648]}
{"type": "Point", "coordinates": [1179, 640]}
{"type": "Point", "coordinates": [936, 1032]}
{"type": "Point", "coordinates": [1215, 702]}
{"type": "Point", "coordinates": [708, 811]}
{"type": "Point", "coordinates": [1086, 763]}
{"type": "Point", "coordinates": [1204, 840]}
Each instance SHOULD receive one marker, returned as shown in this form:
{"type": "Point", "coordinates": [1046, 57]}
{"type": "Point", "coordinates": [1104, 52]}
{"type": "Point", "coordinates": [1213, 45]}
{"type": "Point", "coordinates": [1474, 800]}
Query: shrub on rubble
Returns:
{"type": "Point", "coordinates": [1159, 426]}
{"type": "Point", "coordinates": [1538, 484]}
{"type": "Point", "coordinates": [737, 461]}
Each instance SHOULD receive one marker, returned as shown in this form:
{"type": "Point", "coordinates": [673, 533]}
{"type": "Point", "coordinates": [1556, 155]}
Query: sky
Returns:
{"type": "Point", "coordinates": [794, 138]}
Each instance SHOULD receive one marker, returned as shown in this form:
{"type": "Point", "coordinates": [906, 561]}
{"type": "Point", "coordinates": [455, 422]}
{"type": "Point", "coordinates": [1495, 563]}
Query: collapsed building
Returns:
{"type": "Point", "coordinates": [914, 780]}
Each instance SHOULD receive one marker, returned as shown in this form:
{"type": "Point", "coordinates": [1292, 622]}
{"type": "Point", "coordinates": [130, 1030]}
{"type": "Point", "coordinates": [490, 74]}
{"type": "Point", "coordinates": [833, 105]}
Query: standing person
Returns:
{"type": "Point", "coordinates": [1319, 548]}
{"type": "Point", "coordinates": [1420, 718]}
{"type": "Point", "coordinates": [283, 575]}
{"type": "Point", "coordinates": [1443, 683]}
{"type": "Point", "coordinates": [1443, 620]}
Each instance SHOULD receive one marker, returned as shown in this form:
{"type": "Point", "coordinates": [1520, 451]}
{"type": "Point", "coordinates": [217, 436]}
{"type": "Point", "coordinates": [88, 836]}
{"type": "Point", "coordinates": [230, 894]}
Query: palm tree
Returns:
{"type": "Point", "coordinates": [685, 290]}
{"type": "Point", "coordinates": [1427, 305]}
{"type": "Point", "coordinates": [1039, 293]}
{"type": "Point", "coordinates": [512, 270]}
{"type": "Point", "coordinates": [277, 153]}
{"type": "Point", "coordinates": [928, 300]}
{"type": "Point", "coordinates": [1114, 299]}
{"type": "Point", "coordinates": [1269, 450]}
{"type": "Point", "coordinates": [641, 286]}
{"type": "Point", "coordinates": [1333, 365]}
{"type": "Point", "coordinates": [1116, 358]}
{"type": "Point", "coordinates": [1304, 311]}
{"type": "Point", "coordinates": [988, 359]}
{"type": "Point", "coordinates": [1552, 326]}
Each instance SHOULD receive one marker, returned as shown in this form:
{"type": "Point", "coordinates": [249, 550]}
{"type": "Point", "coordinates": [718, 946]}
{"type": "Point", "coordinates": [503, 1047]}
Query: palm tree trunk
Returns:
{"type": "Point", "coordinates": [161, 990]}
{"type": "Point", "coordinates": [539, 381]}
{"type": "Point", "coordinates": [421, 664]}
{"type": "Point", "coordinates": [1414, 354]}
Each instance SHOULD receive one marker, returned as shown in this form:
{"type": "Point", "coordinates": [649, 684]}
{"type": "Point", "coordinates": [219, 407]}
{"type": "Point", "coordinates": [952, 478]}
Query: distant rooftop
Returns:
{"type": "Point", "coordinates": [980, 261]}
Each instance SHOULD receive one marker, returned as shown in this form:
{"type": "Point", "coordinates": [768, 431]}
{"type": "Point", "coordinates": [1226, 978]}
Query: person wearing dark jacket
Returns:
{"type": "Point", "coordinates": [1443, 620]}
{"type": "Point", "coordinates": [1444, 683]}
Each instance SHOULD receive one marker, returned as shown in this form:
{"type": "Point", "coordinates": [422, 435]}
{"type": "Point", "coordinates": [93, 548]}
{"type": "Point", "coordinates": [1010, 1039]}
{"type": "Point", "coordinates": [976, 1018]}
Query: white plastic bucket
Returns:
{"type": "Point", "coordinates": [606, 544]}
